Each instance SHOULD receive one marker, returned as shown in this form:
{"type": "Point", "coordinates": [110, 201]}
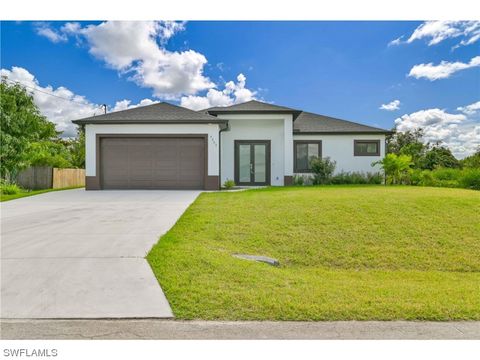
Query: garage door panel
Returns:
{"type": "Point", "coordinates": [152, 163]}
{"type": "Point", "coordinates": [167, 175]}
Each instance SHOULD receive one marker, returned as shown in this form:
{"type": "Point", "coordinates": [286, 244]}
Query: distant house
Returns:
{"type": "Point", "coordinates": [163, 146]}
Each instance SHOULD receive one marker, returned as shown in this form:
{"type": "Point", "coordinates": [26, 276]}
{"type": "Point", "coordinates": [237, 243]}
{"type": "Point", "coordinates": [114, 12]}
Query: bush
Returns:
{"type": "Point", "coordinates": [9, 189]}
{"type": "Point", "coordinates": [470, 179]}
{"type": "Point", "coordinates": [298, 180]}
{"type": "Point", "coordinates": [444, 177]}
{"type": "Point", "coordinates": [397, 168]}
{"type": "Point", "coordinates": [357, 178]}
{"type": "Point", "coordinates": [446, 174]}
{"type": "Point", "coordinates": [228, 184]}
{"type": "Point", "coordinates": [322, 170]}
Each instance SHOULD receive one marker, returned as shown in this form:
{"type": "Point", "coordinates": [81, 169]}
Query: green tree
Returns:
{"type": "Point", "coordinates": [21, 124]}
{"type": "Point", "coordinates": [439, 156]}
{"type": "Point", "coordinates": [397, 168]}
{"type": "Point", "coordinates": [49, 153]}
{"type": "Point", "coordinates": [408, 143]}
{"type": "Point", "coordinates": [77, 149]}
{"type": "Point", "coordinates": [472, 161]}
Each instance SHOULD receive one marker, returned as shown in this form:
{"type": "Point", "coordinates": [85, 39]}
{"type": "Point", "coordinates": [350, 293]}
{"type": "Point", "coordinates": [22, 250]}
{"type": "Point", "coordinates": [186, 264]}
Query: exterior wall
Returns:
{"type": "Point", "coordinates": [275, 127]}
{"type": "Point", "coordinates": [340, 149]}
{"type": "Point", "coordinates": [211, 130]}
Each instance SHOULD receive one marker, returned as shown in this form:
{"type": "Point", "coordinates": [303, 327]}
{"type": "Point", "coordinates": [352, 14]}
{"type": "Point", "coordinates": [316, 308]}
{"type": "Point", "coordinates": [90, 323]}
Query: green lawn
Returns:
{"type": "Point", "coordinates": [25, 193]}
{"type": "Point", "coordinates": [346, 252]}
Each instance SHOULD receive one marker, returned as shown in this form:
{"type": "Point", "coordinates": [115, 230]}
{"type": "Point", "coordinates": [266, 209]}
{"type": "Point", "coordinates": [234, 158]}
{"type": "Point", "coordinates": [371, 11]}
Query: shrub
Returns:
{"type": "Point", "coordinates": [357, 178]}
{"type": "Point", "coordinates": [322, 170]}
{"type": "Point", "coordinates": [298, 180]}
{"type": "Point", "coordinates": [445, 174]}
{"type": "Point", "coordinates": [374, 178]}
{"type": "Point", "coordinates": [443, 177]}
{"type": "Point", "coordinates": [397, 168]}
{"type": "Point", "coordinates": [470, 179]}
{"type": "Point", "coordinates": [9, 189]}
{"type": "Point", "coordinates": [228, 184]}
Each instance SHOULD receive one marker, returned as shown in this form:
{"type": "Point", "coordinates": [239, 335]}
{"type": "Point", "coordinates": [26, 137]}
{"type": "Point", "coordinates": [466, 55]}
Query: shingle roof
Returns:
{"type": "Point", "coordinates": [163, 112]}
{"type": "Point", "coordinates": [157, 113]}
{"type": "Point", "coordinates": [315, 123]}
{"type": "Point", "coordinates": [251, 106]}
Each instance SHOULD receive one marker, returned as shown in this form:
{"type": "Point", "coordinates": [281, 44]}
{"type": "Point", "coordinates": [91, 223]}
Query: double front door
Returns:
{"type": "Point", "coordinates": [252, 162]}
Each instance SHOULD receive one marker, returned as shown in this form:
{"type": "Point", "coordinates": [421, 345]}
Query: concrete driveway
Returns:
{"type": "Point", "coordinates": [80, 254]}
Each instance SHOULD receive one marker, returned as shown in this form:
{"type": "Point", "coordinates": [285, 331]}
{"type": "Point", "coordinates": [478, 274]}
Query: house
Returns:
{"type": "Point", "coordinates": [163, 146]}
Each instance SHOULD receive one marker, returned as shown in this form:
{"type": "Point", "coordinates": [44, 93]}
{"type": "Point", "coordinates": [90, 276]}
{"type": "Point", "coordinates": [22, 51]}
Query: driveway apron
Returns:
{"type": "Point", "coordinates": [81, 254]}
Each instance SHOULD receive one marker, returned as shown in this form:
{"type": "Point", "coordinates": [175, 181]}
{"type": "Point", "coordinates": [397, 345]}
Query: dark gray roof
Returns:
{"type": "Point", "coordinates": [252, 106]}
{"type": "Point", "coordinates": [313, 123]}
{"type": "Point", "coordinates": [151, 114]}
{"type": "Point", "coordinates": [163, 112]}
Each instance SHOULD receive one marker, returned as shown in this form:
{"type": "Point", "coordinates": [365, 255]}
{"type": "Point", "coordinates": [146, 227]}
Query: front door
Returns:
{"type": "Point", "coordinates": [252, 162]}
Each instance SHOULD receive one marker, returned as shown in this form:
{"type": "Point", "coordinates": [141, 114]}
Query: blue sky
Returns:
{"type": "Point", "coordinates": [341, 69]}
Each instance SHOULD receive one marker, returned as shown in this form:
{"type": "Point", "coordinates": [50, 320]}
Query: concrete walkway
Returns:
{"type": "Point", "coordinates": [171, 329]}
{"type": "Point", "coordinates": [80, 254]}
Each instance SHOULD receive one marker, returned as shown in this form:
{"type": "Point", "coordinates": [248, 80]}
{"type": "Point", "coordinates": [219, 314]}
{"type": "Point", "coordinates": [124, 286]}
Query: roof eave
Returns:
{"type": "Point", "coordinates": [113, 122]}
{"type": "Point", "coordinates": [372, 132]}
{"type": "Point", "coordinates": [295, 113]}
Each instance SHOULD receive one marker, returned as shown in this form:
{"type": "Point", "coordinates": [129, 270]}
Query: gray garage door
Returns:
{"type": "Point", "coordinates": [152, 163]}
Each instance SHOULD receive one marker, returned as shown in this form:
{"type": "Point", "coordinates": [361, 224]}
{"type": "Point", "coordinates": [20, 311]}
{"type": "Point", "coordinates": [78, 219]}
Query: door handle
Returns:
{"type": "Point", "coordinates": [251, 168]}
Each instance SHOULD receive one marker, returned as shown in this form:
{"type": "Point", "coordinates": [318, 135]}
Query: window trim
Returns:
{"type": "Point", "coordinates": [295, 142]}
{"type": "Point", "coordinates": [356, 153]}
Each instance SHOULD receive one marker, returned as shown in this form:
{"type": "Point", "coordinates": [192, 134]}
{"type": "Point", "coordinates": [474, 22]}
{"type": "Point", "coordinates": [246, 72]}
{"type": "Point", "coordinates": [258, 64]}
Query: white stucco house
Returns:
{"type": "Point", "coordinates": [163, 146]}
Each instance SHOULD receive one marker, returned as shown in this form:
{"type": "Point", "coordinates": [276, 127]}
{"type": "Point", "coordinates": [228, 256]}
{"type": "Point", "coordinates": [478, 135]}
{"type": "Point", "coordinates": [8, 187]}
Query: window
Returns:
{"type": "Point", "coordinates": [304, 152]}
{"type": "Point", "coordinates": [366, 147]}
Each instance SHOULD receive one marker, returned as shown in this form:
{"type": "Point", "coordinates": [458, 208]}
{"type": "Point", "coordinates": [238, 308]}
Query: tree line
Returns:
{"type": "Point", "coordinates": [27, 138]}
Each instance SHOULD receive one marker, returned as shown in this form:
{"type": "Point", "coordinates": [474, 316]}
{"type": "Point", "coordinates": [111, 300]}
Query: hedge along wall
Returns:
{"type": "Point", "coordinates": [44, 177]}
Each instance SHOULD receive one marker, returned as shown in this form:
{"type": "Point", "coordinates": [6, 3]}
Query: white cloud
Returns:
{"type": "Point", "coordinates": [233, 93]}
{"type": "Point", "coordinates": [43, 29]}
{"type": "Point", "coordinates": [437, 31]}
{"type": "Point", "coordinates": [127, 104]}
{"type": "Point", "coordinates": [457, 131]}
{"type": "Point", "coordinates": [132, 47]}
{"type": "Point", "coordinates": [470, 109]}
{"type": "Point", "coordinates": [70, 28]}
{"type": "Point", "coordinates": [61, 105]}
{"type": "Point", "coordinates": [443, 70]}
{"type": "Point", "coordinates": [391, 106]}
{"type": "Point", "coordinates": [170, 28]}
{"type": "Point", "coordinates": [136, 49]}
{"type": "Point", "coordinates": [396, 41]}
{"type": "Point", "coordinates": [56, 109]}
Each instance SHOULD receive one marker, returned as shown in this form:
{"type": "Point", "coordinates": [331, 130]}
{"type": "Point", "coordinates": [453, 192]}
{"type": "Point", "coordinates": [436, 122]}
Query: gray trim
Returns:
{"type": "Point", "coordinates": [92, 183]}
{"type": "Point", "coordinates": [133, 121]}
{"type": "Point", "coordinates": [287, 180]}
{"type": "Point", "coordinates": [385, 132]}
{"type": "Point", "coordinates": [213, 182]}
{"type": "Point", "coordinates": [98, 138]}
{"type": "Point", "coordinates": [219, 112]}
{"type": "Point", "coordinates": [363, 141]}
{"type": "Point", "coordinates": [295, 142]}
{"type": "Point", "coordinates": [267, 160]}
